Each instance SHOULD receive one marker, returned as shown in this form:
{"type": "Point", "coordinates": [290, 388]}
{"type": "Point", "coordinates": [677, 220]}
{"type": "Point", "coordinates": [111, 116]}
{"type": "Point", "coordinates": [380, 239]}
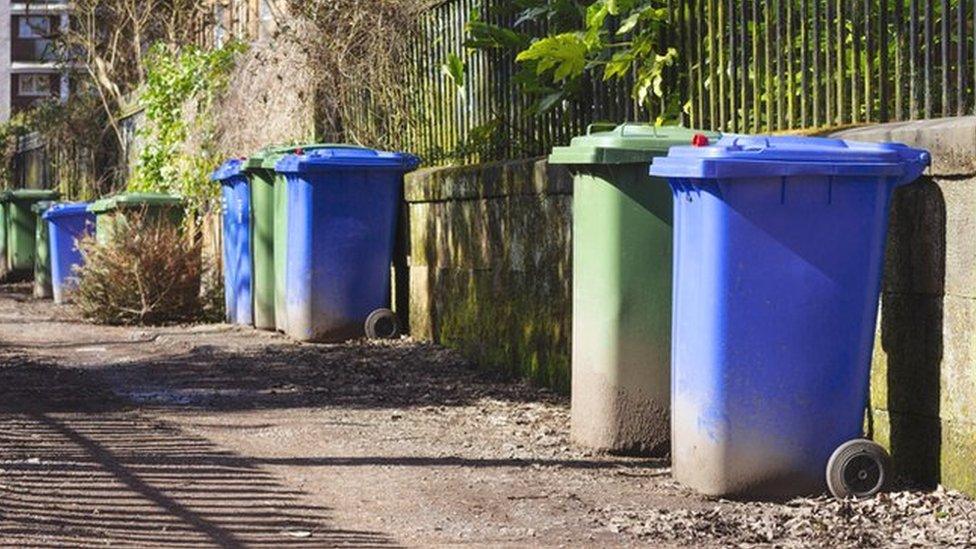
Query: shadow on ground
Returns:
{"type": "Point", "coordinates": [355, 375]}
{"type": "Point", "coordinates": [77, 468]}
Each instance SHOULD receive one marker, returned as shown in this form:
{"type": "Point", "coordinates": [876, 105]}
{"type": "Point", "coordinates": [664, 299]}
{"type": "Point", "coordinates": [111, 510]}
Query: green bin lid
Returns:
{"type": "Point", "coordinates": [42, 206]}
{"type": "Point", "coordinates": [133, 200]}
{"type": "Point", "coordinates": [31, 195]}
{"type": "Point", "coordinates": [267, 157]}
{"type": "Point", "coordinates": [629, 143]}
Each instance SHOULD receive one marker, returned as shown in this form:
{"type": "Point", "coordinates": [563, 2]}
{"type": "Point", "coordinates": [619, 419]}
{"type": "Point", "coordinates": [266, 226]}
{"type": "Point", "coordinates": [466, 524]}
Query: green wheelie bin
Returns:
{"type": "Point", "coordinates": [621, 350]}
{"type": "Point", "coordinates": [21, 224]}
{"type": "Point", "coordinates": [259, 168]}
{"type": "Point", "coordinates": [42, 253]}
{"type": "Point", "coordinates": [114, 210]}
{"type": "Point", "coordinates": [269, 222]}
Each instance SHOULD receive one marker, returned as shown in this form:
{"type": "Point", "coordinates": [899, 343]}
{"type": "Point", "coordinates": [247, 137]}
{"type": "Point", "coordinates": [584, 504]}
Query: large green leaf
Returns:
{"type": "Point", "coordinates": [563, 54]}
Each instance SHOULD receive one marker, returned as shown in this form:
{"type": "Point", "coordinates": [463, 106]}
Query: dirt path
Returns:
{"type": "Point", "coordinates": [213, 435]}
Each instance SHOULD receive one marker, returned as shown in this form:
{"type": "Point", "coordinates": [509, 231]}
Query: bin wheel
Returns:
{"type": "Point", "coordinates": [859, 468]}
{"type": "Point", "coordinates": [382, 324]}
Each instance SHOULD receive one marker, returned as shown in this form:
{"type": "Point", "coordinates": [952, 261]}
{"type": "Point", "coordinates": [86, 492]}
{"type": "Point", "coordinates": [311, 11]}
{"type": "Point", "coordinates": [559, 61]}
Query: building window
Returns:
{"type": "Point", "coordinates": [33, 26]}
{"type": "Point", "coordinates": [220, 32]}
{"type": "Point", "coordinates": [266, 23]}
{"type": "Point", "coordinates": [34, 85]}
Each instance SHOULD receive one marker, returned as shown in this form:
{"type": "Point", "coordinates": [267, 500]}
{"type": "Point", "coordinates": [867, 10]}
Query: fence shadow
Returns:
{"type": "Point", "coordinates": [79, 469]}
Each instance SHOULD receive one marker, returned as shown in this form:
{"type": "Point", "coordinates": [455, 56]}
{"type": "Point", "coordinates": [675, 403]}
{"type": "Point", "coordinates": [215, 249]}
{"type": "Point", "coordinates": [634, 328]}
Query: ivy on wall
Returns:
{"type": "Point", "coordinates": [181, 88]}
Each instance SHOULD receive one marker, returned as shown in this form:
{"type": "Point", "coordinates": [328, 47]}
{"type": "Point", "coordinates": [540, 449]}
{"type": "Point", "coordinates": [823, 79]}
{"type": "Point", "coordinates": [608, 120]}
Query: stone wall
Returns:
{"type": "Point", "coordinates": [489, 265]}
{"type": "Point", "coordinates": [923, 401]}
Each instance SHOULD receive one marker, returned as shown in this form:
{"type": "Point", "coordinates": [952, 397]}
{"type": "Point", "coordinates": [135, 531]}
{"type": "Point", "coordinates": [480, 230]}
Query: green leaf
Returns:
{"type": "Point", "coordinates": [618, 66]}
{"type": "Point", "coordinates": [596, 15]}
{"type": "Point", "coordinates": [616, 7]}
{"type": "Point", "coordinates": [483, 35]}
{"type": "Point", "coordinates": [454, 69]}
{"type": "Point", "coordinates": [550, 101]}
{"type": "Point", "coordinates": [563, 54]}
{"type": "Point", "coordinates": [531, 14]}
{"type": "Point", "coordinates": [628, 24]}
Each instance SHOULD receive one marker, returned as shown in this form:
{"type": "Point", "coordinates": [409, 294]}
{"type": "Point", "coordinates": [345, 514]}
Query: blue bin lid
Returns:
{"type": "Point", "coordinates": [231, 168]}
{"type": "Point", "coordinates": [65, 209]}
{"type": "Point", "coordinates": [740, 156]}
{"type": "Point", "coordinates": [346, 156]}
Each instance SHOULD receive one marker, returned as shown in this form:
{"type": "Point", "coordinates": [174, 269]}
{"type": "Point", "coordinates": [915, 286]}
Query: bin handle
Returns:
{"type": "Point", "coordinates": [600, 126]}
{"type": "Point", "coordinates": [294, 148]}
{"type": "Point", "coordinates": [625, 125]}
{"type": "Point", "coordinates": [335, 146]}
{"type": "Point", "coordinates": [751, 143]}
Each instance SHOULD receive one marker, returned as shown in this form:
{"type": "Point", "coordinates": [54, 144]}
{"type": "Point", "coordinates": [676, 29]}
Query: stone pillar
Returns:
{"type": "Point", "coordinates": [65, 88]}
{"type": "Point", "coordinates": [6, 34]}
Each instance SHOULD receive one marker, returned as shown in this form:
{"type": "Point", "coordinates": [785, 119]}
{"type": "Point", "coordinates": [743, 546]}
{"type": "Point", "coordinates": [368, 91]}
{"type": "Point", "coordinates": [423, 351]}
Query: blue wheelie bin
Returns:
{"type": "Point", "coordinates": [67, 223]}
{"type": "Point", "coordinates": [238, 264]}
{"type": "Point", "coordinates": [779, 249]}
{"type": "Point", "coordinates": [342, 212]}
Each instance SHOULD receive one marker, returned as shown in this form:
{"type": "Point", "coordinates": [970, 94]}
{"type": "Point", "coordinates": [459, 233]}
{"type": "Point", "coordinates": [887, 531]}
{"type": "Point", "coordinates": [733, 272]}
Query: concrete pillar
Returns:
{"type": "Point", "coordinates": [65, 79]}
{"type": "Point", "coordinates": [6, 33]}
{"type": "Point", "coordinates": [65, 89]}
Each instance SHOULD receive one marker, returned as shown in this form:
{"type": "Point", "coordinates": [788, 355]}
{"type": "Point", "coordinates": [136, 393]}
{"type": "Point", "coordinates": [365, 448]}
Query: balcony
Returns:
{"type": "Point", "coordinates": [39, 7]}
{"type": "Point", "coordinates": [36, 50]}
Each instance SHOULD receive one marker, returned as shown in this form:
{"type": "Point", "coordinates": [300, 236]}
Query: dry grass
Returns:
{"type": "Point", "coordinates": [361, 58]}
{"type": "Point", "coordinates": [334, 72]}
{"type": "Point", "coordinates": [149, 272]}
{"type": "Point", "coordinates": [268, 100]}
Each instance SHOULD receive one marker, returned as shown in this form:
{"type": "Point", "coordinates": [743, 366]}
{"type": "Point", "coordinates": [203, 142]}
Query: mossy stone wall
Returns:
{"type": "Point", "coordinates": [489, 265]}
{"type": "Point", "coordinates": [923, 390]}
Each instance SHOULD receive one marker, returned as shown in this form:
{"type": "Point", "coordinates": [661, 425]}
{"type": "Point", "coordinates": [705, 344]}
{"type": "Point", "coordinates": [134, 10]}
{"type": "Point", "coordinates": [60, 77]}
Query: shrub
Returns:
{"type": "Point", "coordinates": [179, 134]}
{"type": "Point", "coordinates": [148, 272]}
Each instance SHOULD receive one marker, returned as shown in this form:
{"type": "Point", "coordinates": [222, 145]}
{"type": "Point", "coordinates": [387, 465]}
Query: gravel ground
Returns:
{"type": "Point", "coordinates": [222, 436]}
{"type": "Point", "coordinates": [941, 518]}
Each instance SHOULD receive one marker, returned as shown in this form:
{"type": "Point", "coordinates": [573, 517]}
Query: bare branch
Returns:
{"type": "Point", "coordinates": [109, 38]}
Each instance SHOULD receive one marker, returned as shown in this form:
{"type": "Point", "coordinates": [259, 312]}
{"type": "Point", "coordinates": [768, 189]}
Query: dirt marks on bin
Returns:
{"type": "Point", "coordinates": [78, 468]}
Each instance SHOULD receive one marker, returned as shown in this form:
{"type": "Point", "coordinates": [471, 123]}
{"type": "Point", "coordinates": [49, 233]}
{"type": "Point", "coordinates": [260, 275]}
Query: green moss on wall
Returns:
{"type": "Point", "coordinates": [490, 266]}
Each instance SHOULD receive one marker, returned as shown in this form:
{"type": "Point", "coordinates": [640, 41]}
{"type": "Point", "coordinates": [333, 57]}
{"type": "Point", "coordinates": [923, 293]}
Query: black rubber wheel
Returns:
{"type": "Point", "coordinates": [382, 324]}
{"type": "Point", "coordinates": [858, 469]}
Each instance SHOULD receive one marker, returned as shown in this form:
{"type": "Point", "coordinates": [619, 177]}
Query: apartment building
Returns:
{"type": "Point", "coordinates": [29, 71]}
{"type": "Point", "coordinates": [250, 20]}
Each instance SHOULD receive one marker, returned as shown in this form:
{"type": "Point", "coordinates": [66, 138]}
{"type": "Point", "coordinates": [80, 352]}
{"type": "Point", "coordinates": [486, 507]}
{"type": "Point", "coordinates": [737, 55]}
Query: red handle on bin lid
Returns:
{"type": "Point", "coordinates": [699, 140]}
